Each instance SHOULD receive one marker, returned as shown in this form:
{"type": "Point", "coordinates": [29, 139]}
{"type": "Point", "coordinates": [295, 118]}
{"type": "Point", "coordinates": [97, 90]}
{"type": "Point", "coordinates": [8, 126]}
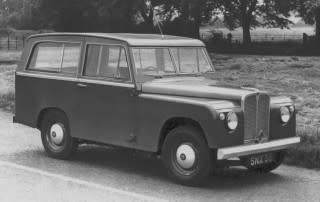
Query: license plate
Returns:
{"type": "Point", "coordinates": [261, 159]}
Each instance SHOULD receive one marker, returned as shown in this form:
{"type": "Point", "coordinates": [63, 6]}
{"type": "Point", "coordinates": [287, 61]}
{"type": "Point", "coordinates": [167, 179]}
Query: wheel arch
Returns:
{"type": "Point", "coordinates": [45, 111]}
{"type": "Point", "coordinates": [175, 122]}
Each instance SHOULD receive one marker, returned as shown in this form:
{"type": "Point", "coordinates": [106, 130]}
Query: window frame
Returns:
{"type": "Point", "coordinates": [34, 46]}
{"type": "Point", "coordinates": [107, 79]}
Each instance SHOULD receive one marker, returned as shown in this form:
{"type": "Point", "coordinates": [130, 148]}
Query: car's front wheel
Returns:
{"type": "Point", "coordinates": [55, 135]}
{"type": "Point", "coordinates": [186, 156]}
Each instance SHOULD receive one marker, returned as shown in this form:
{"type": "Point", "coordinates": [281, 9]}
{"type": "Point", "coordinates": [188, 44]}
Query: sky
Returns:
{"type": "Point", "coordinates": [295, 19]}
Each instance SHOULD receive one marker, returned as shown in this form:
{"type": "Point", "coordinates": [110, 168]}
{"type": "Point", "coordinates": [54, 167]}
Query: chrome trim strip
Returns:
{"type": "Point", "coordinates": [199, 91]}
{"type": "Point", "coordinates": [47, 76]}
{"type": "Point", "coordinates": [174, 99]}
{"type": "Point", "coordinates": [73, 79]}
{"type": "Point", "coordinates": [219, 106]}
{"type": "Point", "coordinates": [232, 152]}
{"type": "Point", "coordinates": [107, 83]}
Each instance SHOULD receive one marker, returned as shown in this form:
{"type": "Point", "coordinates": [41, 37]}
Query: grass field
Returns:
{"type": "Point", "coordinates": [296, 77]}
{"type": "Point", "coordinates": [263, 34]}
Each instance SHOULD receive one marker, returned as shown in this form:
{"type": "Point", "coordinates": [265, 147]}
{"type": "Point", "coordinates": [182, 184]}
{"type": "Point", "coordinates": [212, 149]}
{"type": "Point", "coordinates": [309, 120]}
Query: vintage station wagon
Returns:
{"type": "Point", "coordinates": [148, 93]}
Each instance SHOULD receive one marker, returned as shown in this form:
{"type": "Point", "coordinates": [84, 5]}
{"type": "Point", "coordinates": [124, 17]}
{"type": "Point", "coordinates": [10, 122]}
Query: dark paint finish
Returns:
{"type": "Point", "coordinates": [37, 94]}
{"type": "Point", "coordinates": [152, 114]}
{"type": "Point", "coordinates": [279, 130]}
{"type": "Point", "coordinates": [104, 113]}
{"type": "Point", "coordinates": [120, 113]}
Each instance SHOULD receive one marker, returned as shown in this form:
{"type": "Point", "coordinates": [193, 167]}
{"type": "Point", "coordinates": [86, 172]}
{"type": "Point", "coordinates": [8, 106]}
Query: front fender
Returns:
{"type": "Point", "coordinates": [277, 129]}
{"type": "Point", "coordinates": [153, 111]}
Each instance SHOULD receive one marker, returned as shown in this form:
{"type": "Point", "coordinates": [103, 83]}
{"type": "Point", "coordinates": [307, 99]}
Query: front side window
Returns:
{"type": "Point", "coordinates": [191, 60]}
{"type": "Point", "coordinates": [55, 57]}
{"type": "Point", "coordinates": [106, 62]}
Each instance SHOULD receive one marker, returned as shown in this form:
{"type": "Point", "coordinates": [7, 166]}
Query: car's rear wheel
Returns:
{"type": "Point", "coordinates": [278, 159]}
{"type": "Point", "coordinates": [186, 156]}
{"type": "Point", "coordinates": [55, 135]}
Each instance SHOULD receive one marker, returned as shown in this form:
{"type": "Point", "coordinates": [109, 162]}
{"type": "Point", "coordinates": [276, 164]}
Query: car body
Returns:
{"type": "Point", "coordinates": [132, 90]}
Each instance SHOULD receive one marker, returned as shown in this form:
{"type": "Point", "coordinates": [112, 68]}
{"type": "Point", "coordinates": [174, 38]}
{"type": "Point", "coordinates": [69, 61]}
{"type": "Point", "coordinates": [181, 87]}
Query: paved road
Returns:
{"type": "Point", "coordinates": [105, 174]}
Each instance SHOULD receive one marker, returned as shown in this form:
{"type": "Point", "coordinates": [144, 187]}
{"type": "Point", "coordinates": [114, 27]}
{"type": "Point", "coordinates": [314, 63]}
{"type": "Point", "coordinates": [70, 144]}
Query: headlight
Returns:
{"type": "Point", "coordinates": [285, 114]}
{"type": "Point", "coordinates": [232, 120]}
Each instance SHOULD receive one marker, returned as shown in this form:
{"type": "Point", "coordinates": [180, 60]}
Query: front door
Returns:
{"type": "Point", "coordinates": [105, 96]}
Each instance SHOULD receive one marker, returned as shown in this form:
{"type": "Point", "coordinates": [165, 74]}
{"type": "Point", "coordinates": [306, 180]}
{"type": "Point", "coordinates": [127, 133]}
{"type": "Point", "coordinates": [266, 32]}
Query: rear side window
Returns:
{"type": "Point", "coordinates": [106, 62]}
{"type": "Point", "coordinates": [55, 57]}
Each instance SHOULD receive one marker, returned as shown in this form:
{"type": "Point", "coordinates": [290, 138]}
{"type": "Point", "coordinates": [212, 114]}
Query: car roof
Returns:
{"type": "Point", "coordinates": [135, 39]}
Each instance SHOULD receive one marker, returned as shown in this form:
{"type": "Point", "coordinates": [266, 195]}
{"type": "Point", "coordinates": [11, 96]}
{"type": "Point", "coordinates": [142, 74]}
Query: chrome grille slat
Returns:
{"type": "Point", "coordinates": [256, 117]}
{"type": "Point", "coordinates": [250, 105]}
{"type": "Point", "coordinates": [263, 115]}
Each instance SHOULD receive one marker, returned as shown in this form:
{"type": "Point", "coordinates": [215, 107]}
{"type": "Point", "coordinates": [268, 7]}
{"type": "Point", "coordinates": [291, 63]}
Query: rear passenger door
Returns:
{"type": "Point", "coordinates": [105, 90]}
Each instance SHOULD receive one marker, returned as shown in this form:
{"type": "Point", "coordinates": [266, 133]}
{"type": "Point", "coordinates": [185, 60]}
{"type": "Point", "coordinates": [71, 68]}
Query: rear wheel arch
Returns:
{"type": "Point", "coordinates": [175, 122]}
{"type": "Point", "coordinates": [46, 111]}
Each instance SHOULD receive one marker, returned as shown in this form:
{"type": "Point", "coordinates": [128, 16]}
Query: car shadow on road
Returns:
{"type": "Point", "coordinates": [98, 160]}
{"type": "Point", "coordinates": [148, 165]}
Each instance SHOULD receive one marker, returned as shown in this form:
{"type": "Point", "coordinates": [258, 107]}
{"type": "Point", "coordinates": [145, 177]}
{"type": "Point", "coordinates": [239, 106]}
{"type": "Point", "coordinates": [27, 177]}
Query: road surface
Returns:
{"type": "Point", "coordinates": [106, 174]}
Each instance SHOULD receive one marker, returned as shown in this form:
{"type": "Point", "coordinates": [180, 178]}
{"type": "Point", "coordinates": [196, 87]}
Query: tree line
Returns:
{"type": "Point", "coordinates": [178, 17]}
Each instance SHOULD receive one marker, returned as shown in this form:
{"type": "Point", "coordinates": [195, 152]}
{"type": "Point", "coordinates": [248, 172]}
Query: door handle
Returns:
{"type": "Point", "coordinates": [81, 85]}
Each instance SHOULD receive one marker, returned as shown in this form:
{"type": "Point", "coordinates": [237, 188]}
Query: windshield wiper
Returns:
{"type": "Point", "coordinates": [209, 71]}
{"type": "Point", "coordinates": [157, 76]}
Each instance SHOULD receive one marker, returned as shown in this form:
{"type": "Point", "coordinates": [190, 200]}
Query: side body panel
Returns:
{"type": "Point", "coordinates": [34, 94]}
{"type": "Point", "coordinates": [103, 113]}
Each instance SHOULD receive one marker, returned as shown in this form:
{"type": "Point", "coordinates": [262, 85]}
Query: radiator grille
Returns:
{"type": "Point", "coordinates": [256, 117]}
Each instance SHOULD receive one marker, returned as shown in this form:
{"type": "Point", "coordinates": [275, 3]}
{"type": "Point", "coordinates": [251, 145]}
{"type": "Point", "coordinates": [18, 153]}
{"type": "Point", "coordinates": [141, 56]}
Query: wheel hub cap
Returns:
{"type": "Point", "coordinates": [57, 132]}
{"type": "Point", "coordinates": [186, 156]}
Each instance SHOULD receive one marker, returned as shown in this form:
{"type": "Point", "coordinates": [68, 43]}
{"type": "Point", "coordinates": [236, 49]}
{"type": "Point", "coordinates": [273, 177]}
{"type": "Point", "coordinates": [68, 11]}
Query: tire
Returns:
{"type": "Point", "coordinates": [279, 157]}
{"type": "Point", "coordinates": [186, 156]}
{"type": "Point", "coordinates": [55, 135]}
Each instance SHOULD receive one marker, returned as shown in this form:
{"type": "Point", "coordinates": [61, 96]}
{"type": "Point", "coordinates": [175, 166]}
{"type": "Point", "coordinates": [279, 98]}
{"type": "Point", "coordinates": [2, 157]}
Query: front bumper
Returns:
{"type": "Point", "coordinates": [246, 150]}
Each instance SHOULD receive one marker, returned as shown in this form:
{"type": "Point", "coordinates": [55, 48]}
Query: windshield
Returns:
{"type": "Point", "coordinates": [159, 62]}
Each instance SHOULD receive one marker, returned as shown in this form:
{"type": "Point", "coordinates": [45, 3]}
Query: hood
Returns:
{"type": "Point", "coordinates": [196, 87]}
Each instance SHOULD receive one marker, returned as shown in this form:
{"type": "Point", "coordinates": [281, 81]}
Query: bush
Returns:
{"type": "Point", "coordinates": [306, 154]}
{"type": "Point", "coordinates": [7, 101]}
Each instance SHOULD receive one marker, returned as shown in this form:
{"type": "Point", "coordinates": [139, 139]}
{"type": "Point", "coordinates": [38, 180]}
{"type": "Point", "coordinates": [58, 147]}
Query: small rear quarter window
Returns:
{"type": "Point", "coordinates": [55, 57]}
